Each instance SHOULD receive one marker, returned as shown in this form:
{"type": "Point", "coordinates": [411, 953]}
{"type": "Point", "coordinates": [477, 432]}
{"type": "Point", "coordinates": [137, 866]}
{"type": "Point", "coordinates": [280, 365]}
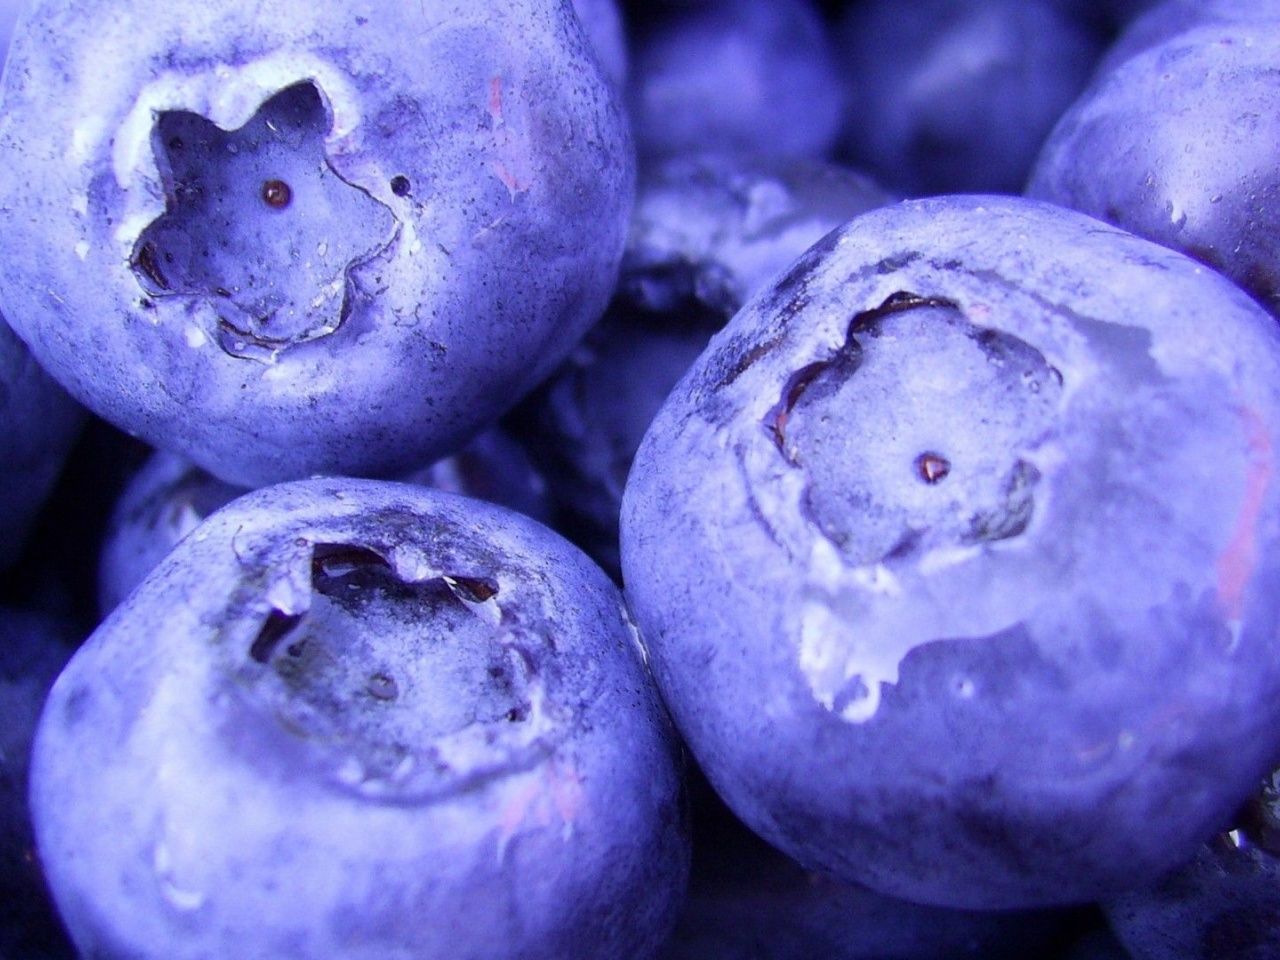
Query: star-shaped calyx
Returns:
{"type": "Point", "coordinates": [258, 222]}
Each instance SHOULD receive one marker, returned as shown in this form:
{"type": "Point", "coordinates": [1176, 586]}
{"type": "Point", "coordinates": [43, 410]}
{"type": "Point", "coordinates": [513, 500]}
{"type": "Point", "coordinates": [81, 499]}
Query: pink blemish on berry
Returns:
{"type": "Point", "coordinates": [553, 794]}
{"type": "Point", "coordinates": [495, 100]}
{"type": "Point", "coordinates": [1236, 562]}
{"type": "Point", "coordinates": [512, 163]}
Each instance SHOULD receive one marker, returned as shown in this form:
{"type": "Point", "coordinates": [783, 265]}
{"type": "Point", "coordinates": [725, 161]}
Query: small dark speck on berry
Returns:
{"type": "Point", "coordinates": [276, 194]}
{"type": "Point", "coordinates": [932, 468]}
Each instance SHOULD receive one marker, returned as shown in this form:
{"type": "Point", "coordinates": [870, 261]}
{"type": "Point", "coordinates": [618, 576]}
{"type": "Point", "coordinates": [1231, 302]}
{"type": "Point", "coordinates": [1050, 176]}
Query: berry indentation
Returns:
{"type": "Point", "coordinates": [258, 224]}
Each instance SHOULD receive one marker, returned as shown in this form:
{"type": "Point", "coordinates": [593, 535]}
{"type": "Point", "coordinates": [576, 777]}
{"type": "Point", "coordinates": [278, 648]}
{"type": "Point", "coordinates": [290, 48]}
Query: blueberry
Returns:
{"type": "Point", "coordinates": [169, 497]}
{"type": "Point", "coordinates": [747, 901]}
{"type": "Point", "coordinates": [286, 241]}
{"type": "Point", "coordinates": [1224, 903]}
{"type": "Point", "coordinates": [957, 95]}
{"type": "Point", "coordinates": [1163, 21]}
{"type": "Point", "coordinates": [955, 554]}
{"type": "Point", "coordinates": [39, 424]}
{"type": "Point", "coordinates": [603, 24]}
{"type": "Point", "coordinates": [1174, 144]}
{"type": "Point", "coordinates": [355, 718]}
{"type": "Point", "coordinates": [757, 76]}
{"type": "Point", "coordinates": [709, 229]}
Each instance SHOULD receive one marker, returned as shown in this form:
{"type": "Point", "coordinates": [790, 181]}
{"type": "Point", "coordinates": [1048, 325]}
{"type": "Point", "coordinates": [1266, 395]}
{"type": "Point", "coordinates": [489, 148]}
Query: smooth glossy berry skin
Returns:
{"type": "Point", "coordinates": [355, 719]}
{"type": "Point", "coordinates": [282, 241]}
{"type": "Point", "coordinates": [1049, 675]}
{"type": "Point", "coordinates": [1175, 144]}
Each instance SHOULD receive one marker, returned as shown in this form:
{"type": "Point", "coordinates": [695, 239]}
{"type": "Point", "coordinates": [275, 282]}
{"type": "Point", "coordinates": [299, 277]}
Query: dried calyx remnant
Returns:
{"type": "Point", "coordinates": [409, 683]}
{"type": "Point", "coordinates": [915, 431]}
{"type": "Point", "coordinates": [258, 223]}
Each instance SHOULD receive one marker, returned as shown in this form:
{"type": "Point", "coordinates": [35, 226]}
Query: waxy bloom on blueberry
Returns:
{"type": "Point", "coordinates": [351, 718]}
{"type": "Point", "coordinates": [958, 554]}
{"type": "Point", "coordinates": [286, 239]}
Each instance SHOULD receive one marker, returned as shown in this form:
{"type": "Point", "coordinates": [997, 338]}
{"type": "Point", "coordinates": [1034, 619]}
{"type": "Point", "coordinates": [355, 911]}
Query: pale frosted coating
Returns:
{"type": "Point", "coordinates": [945, 526]}
{"type": "Point", "coordinates": [430, 153]}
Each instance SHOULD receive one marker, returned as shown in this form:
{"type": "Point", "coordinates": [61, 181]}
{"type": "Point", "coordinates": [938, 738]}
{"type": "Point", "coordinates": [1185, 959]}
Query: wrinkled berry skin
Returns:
{"type": "Point", "coordinates": [38, 426]}
{"type": "Point", "coordinates": [956, 554]}
{"type": "Point", "coordinates": [1176, 144]}
{"type": "Point", "coordinates": [361, 719]}
{"type": "Point", "coordinates": [708, 231]}
{"type": "Point", "coordinates": [283, 240]}
{"type": "Point", "coordinates": [168, 497]}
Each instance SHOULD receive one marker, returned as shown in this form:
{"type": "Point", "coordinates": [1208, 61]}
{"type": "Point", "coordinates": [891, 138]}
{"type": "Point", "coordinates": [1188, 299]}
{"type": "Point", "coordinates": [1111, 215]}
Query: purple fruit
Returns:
{"type": "Point", "coordinates": [957, 554]}
{"type": "Point", "coordinates": [1176, 144]}
{"type": "Point", "coordinates": [33, 648]}
{"type": "Point", "coordinates": [283, 240]}
{"type": "Point", "coordinates": [956, 95]}
{"type": "Point", "coordinates": [1222, 905]}
{"type": "Point", "coordinates": [169, 497]}
{"type": "Point", "coordinates": [708, 231]}
{"type": "Point", "coordinates": [354, 718]}
{"type": "Point", "coordinates": [757, 76]}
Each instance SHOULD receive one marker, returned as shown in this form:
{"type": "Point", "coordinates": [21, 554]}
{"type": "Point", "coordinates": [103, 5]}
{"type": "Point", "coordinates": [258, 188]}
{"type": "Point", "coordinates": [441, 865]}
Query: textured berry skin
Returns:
{"type": "Point", "coordinates": [1223, 903]}
{"type": "Point", "coordinates": [283, 240]}
{"type": "Point", "coordinates": [361, 719]}
{"type": "Point", "coordinates": [168, 497]}
{"type": "Point", "coordinates": [1175, 143]}
{"type": "Point", "coordinates": [708, 231]}
{"type": "Point", "coordinates": [956, 554]}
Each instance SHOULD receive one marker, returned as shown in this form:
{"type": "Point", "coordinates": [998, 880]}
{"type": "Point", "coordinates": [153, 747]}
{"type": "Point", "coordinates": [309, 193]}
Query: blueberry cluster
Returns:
{"type": "Point", "coordinates": [690, 480]}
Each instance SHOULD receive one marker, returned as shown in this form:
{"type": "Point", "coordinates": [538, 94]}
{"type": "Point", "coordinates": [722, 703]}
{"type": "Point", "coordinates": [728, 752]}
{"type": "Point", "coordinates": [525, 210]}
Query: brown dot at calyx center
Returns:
{"type": "Point", "coordinates": [277, 194]}
{"type": "Point", "coordinates": [932, 467]}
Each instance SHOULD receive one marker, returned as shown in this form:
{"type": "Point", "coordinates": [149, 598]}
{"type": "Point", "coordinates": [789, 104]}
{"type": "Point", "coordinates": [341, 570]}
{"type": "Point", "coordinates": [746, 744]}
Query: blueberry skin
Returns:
{"type": "Point", "coordinates": [39, 424]}
{"type": "Point", "coordinates": [757, 76]}
{"type": "Point", "coordinates": [708, 231]}
{"type": "Point", "coordinates": [956, 95]}
{"type": "Point", "coordinates": [977, 603]}
{"type": "Point", "coordinates": [747, 901]}
{"type": "Point", "coordinates": [361, 719]}
{"type": "Point", "coordinates": [168, 497]}
{"type": "Point", "coordinates": [1161, 22]}
{"type": "Point", "coordinates": [1175, 144]}
{"type": "Point", "coordinates": [284, 241]}
{"type": "Point", "coordinates": [604, 26]}
{"type": "Point", "coordinates": [1222, 905]}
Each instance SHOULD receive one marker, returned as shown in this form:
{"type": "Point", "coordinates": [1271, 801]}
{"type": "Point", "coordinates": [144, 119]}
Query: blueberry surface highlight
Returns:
{"type": "Point", "coordinates": [955, 554]}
